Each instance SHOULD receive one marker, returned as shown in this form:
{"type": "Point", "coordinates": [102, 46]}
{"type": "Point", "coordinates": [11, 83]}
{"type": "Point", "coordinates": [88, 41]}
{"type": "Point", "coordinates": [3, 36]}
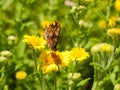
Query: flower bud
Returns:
{"type": "Point", "coordinates": [3, 59]}
{"type": "Point", "coordinates": [11, 38]}
{"type": "Point", "coordinates": [76, 76]}
{"type": "Point", "coordinates": [101, 47]}
{"type": "Point", "coordinates": [113, 32]}
{"type": "Point", "coordinates": [69, 3]}
{"type": "Point", "coordinates": [81, 8]}
{"type": "Point", "coordinates": [102, 24]}
{"type": "Point", "coordinates": [73, 9]}
{"type": "Point", "coordinates": [71, 82]}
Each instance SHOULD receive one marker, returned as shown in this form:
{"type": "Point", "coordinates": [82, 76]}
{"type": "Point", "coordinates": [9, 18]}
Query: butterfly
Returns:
{"type": "Point", "coordinates": [51, 35]}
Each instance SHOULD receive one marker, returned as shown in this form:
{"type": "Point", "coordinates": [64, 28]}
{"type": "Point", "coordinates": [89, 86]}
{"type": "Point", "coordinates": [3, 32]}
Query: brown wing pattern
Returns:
{"type": "Point", "coordinates": [51, 35]}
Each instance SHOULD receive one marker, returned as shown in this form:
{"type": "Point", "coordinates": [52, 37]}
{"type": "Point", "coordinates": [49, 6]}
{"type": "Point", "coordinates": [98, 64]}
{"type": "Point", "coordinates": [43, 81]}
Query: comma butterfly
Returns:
{"type": "Point", "coordinates": [51, 35]}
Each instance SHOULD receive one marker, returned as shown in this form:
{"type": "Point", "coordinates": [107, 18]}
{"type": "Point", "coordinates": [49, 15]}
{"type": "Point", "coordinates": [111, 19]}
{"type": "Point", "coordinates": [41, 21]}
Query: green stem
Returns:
{"type": "Point", "coordinates": [47, 84]}
{"type": "Point", "coordinates": [112, 56]}
{"type": "Point", "coordinates": [95, 85]}
{"type": "Point", "coordinates": [27, 87]}
{"type": "Point", "coordinates": [36, 71]}
{"type": "Point", "coordinates": [34, 54]}
{"type": "Point", "coordinates": [70, 87]}
{"type": "Point", "coordinates": [108, 9]}
{"type": "Point", "coordinates": [73, 69]}
{"type": "Point", "coordinates": [55, 80]}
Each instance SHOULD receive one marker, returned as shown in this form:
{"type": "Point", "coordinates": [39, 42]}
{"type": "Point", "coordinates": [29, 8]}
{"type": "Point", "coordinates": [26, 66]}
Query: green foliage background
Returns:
{"type": "Point", "coordinates": [20, 17]}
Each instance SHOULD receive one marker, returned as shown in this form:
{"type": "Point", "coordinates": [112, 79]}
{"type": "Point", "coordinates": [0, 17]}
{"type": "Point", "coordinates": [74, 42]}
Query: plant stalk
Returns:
{"type": "Point", "coordinates": [40, 79]}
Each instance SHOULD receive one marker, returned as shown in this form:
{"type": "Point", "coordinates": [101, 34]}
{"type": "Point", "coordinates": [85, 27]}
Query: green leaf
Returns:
{"type": "Point", "coordinates": [97, 65]}
{"type": "Point", "coordinates": [27, 24]}
{"type": "Point", "coordinates": [18, 66]}
{"type": "Point", "coordinates": [20, 49]}
{"type": "Point", "coordinates": [83, 82]}
{"type": "Point", "coordinates": [2, 69]}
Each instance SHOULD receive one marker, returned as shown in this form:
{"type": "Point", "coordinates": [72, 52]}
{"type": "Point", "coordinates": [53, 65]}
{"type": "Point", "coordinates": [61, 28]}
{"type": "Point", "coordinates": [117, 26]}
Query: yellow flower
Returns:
{"type": "Point", "coordinates": [51, 57]}
{"type": "Point", "coordinates": [66, 58]}
{"type": "Point", "coordinates": [117, 5]}
{"type": "Point", "coordinates": [49, 68]}
{"type": "Point", "coordinates": [21, 75]}
{"type": "Point", "coordinates": [102, 24]}
{"type": "Point", "coordinates": [54, 57]}
{"type": "Point", "coordinates": [106, 47]}
{"type": "Point", "coordinates": [112, 21]}
{"type": "Point", "coordinates": [113, 32]}
{"type": "Point", "coordinates": [78, 54]}
{"type": "Point", "coordinates": [45, 24]}
{"type": "Point", "coordinates": [35, 41]}
{"type": "Point", "coordinates": [101, 47]}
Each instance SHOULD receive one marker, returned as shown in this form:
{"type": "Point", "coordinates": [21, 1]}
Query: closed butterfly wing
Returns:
{"type": "Point", "coordinates": [51, 35]}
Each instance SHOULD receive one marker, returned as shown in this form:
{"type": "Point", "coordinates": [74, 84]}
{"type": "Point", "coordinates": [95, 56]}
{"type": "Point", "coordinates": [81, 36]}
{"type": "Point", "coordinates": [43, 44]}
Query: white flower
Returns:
{"type": "Point", "coordinates": [3, 59]}
{"type": "Point", "coordinates": [6, 53]}
{"type": "Point", "coordinates": [11, 38]}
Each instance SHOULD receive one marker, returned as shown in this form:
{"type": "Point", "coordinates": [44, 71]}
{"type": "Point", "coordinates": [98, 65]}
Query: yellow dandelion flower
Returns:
{"type": "Point", "coordinates": [117, 5]}
{"type": "Point", "coordinates": [45, 24]}
{"type": "Point", "coordinates": [112, 21]}
{"type": "Point", "coordinates": [102, 24]}
{"type": "Point", "coordinates": [78, 54]}
{"type": "Point", "coordinates": [21, 75]}
{"type": "Point", "coordinates": [101, 47]}
{"type": "Point", "coordinates": [56, 57]}
{"type": "Point", "coordinates": [44, 56]}
{"type": "Point", "coordinates": [106, 47]}
{"type": "Point", "coordinates": [49, 68]}
{"type": "Point", "coordinates": [113, 32]}
{"type": "Point", "coordinates": [35, 41]}
{"type": "Point", "coordinates": [66, 58]}
{"type": "Point", "coordinates": [51, 57]}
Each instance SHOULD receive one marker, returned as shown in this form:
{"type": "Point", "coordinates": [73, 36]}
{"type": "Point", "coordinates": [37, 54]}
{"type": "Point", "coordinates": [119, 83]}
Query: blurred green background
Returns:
{"type": "Point", "coordinates": [79, 27]}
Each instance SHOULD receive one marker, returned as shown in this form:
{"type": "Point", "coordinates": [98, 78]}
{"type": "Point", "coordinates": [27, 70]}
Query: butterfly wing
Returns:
{"type": "Point", "coordinates": [51, 35]}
